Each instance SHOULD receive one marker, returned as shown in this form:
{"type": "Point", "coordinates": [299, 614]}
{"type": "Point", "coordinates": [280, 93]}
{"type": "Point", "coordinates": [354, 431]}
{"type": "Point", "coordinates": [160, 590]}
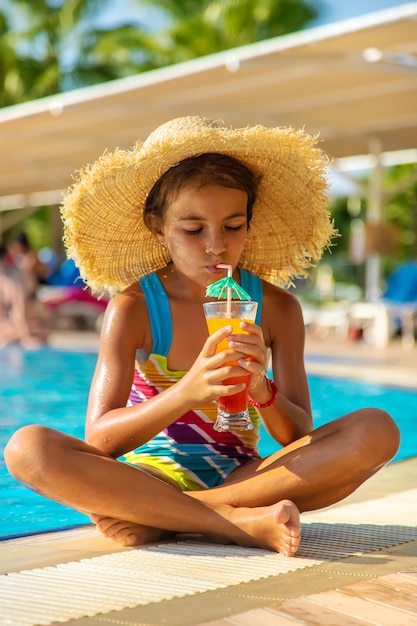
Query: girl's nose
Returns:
{"type": "Point", "coordinates": [215, 247]}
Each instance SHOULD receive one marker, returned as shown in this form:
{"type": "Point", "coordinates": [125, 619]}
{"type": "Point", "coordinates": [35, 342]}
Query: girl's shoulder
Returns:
{"type": "Point", "coordinates": [281, 313]}
{"type": "Point", "coordinates": [130, 299]}
{"type": "Point", "coordinates": [273, 296]}
{"type": "Point", "coordinates": [127, 316]}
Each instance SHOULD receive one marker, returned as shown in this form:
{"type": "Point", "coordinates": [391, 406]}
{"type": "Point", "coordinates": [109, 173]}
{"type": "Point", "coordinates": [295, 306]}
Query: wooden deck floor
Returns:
{"type": "Point", "coordinates": [385, 601]}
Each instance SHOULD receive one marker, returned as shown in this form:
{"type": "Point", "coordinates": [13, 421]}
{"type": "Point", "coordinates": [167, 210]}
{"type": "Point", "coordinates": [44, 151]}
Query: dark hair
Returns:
{"type": "Point", "coordinates": [21, 237]}
{"type": "Point", "coordinates": [202, 170]}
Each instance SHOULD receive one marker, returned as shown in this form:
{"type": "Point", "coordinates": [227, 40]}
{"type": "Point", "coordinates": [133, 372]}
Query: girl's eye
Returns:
{"type": "Point", "coordinates": [197, 231]}
{"type": "Point", "coordinates": [235, 227]}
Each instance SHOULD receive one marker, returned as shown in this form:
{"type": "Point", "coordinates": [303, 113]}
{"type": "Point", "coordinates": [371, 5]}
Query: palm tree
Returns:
{"type": "Point", "coordinates": [11, 84]}
{"type": "Point", "coordinates": [200, 27]}
{"type": "Point", "coordinates": [59, 46]}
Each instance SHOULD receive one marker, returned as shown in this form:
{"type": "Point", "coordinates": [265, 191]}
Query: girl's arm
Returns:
{"type": "Point", "coordinates": [111, 426]}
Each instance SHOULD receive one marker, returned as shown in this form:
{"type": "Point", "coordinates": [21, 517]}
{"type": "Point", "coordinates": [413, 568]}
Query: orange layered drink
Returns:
{"type": "Point", "coordinates": [232, 410]}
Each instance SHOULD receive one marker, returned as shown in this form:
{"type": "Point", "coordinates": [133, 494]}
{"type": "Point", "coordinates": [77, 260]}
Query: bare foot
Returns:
{"type": "Point", "coordinates": [128, 533]}
{"type": "Point", "coordinates": [275, 527]}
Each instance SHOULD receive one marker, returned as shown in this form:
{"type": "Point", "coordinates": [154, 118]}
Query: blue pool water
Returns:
{"type": "Point", "coordinates": [50, 387]}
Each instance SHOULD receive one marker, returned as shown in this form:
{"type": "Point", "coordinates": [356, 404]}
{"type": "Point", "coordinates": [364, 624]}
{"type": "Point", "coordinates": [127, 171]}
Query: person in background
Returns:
{"type": "Point", "coordinates": [27, 261]}
{"type": "Point", "coordinates": [32, 273]}
{"type": "Point", "coordinates": [14, 325]}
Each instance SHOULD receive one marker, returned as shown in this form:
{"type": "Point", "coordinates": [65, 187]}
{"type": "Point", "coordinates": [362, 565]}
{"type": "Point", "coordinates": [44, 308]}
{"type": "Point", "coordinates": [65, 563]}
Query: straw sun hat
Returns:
{"type": "Point", "coordinates": [104, 229]}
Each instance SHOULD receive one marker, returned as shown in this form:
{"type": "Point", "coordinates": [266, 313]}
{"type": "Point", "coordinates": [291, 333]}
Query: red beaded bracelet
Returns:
{"type": "Point", "coordinates": [273, 389]}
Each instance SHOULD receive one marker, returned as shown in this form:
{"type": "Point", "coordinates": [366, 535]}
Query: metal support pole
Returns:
{"type": "Point", "coordinates": [374, 216]}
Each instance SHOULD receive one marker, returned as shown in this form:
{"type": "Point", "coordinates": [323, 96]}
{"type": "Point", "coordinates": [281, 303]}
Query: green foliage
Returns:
{"type": "Point", "coordinates": [57, 45]}
{"type": "Point", "coordinates": [49, 48]}
{"type": "Point", "coordinates": [200, 27]}
{"type": "Point", "coordinates": [400, 211]}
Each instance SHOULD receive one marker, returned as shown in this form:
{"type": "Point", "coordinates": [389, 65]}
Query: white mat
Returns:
{"type": "Point", "coordinates": [132, 578]}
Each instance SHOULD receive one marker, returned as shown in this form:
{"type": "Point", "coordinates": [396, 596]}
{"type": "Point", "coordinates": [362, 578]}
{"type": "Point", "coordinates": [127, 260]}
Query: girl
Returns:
{"type": "Point", "coordinates": [153, 224]}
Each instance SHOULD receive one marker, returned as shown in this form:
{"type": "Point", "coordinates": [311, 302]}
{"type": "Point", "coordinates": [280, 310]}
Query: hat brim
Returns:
{"type": "Point", "coordinates": [102, 212]}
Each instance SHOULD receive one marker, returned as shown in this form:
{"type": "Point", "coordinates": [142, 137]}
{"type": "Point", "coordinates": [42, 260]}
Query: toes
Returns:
{"type": "Point", "coordinates": [122, 535]}
{"type": "Point", "coordinates": [125, 537]}
{"type": "Point", "coordinates": [288, 549]}
{"type": "Point", "coordinates": [116, 531]}
{"type": "Point", "coordinates": [110, 527]}
{"type": "Point", "coordinates": [102, 523]}
{"type": "Point", "coordinates": [288, 518]}
{"type": "Point", "coordinates": [289, 545]}
{"type": "Point", "coordinates": [130, 540]}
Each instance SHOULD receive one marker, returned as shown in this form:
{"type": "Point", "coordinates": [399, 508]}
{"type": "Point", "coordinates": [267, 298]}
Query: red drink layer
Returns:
{"type": "Point", "coordinates": [239, 401]}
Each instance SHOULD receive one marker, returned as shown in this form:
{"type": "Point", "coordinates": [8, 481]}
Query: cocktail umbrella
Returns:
{"type": "Point", "coordinates": [220, 289]}
{"type": "Point", "coordinates": [227, 288]}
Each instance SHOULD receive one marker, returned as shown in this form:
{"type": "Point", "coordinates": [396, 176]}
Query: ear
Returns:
{"type": "Point", "coordinates": [154, 224]}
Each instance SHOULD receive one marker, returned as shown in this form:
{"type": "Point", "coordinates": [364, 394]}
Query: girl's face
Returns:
{"type": "Point", "coordinates": [203, 227]}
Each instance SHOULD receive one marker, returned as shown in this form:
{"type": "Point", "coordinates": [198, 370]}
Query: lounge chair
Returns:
{"type": "Point", "coordinates": [70, 300]}
{"type": "Point", "coordinates": [395, 313]}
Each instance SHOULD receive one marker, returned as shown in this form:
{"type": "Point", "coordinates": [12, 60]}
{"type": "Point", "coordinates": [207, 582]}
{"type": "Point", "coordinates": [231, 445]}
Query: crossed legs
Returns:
{"type": "Point", "coordinates": [256, 506]}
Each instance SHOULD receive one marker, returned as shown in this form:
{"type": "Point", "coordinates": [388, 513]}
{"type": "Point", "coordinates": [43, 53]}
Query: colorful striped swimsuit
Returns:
{"type": "Point", "coordinates": [189, 451]}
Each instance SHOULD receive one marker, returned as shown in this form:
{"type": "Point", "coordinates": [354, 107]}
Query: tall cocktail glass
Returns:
{"type": "Point", "coordinates": [232, 411]}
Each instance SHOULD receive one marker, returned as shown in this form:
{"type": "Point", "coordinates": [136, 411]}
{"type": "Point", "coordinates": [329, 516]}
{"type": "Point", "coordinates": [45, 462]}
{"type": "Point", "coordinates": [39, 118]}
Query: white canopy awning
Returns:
{"type": "Point", "coordinates": [353, 82]}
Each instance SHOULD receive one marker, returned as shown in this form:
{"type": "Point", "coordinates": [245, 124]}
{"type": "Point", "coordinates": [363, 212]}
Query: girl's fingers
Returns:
{"type": "Point", "coordinates": [210, 345]}
{"type": "Point", "coordinates": [253, 336]}
{"type": "Point", "coordinates": [246, 347]}
{"type": "Point", "coordinates": [230, 390]}
{"type": "Point", "coordinates": [252, 329]}
{"type": "Point", "coordinates": [256, 370]}
{"type": "Point", "coordinates": [257, 353]}
{"type": "Point", "coordinates": [224, 371]}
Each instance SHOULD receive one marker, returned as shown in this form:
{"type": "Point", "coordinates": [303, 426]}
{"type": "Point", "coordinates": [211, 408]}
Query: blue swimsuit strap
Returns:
{"type": "Point", "coordinates": [253, 285]}
{"type": "Point", "coordinates": [159, 311]}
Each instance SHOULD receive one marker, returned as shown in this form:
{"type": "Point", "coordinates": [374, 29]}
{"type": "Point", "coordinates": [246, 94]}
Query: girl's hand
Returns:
{"type": "Point", "coordinates": [204, 380]}
{"type": "Point", "coordinates": [255, 361]}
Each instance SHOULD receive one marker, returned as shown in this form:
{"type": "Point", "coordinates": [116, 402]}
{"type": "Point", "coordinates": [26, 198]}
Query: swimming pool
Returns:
{"type": "Point", "coordinates": [50, 387]}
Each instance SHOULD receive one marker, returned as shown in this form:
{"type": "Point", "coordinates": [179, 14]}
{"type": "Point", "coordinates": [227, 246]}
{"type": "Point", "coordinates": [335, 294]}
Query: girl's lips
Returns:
{"type": "Point", "coordinates": [213, 269]}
